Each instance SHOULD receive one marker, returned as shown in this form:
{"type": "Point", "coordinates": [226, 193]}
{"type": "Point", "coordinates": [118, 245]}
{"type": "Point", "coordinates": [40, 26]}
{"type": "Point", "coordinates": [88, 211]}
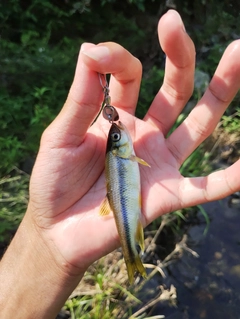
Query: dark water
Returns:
{"type": "Point", "coordinates": [209, 286]}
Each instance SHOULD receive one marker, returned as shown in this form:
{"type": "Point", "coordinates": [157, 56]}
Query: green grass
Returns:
{"type": "Point", "coordinates": [104, 292]}
{"type": "Point", "coordinates": [231, 123]}
{"type": "Point", "coordinates": [13, 202]}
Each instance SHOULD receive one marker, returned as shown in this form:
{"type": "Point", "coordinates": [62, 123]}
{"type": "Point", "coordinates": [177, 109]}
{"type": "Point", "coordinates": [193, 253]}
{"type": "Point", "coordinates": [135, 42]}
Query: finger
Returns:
{"type": "Point", "coordinates": [179, 72]}
{"type": "Point", "coordinates": [215, 186]}
{"type": "Point", "coordinates": [126, 71]}
{"type": "Point", "coordinates": [80, 109]}
{"type": "Point", "coordinates": [86, 93]}
{"type": "Point", "coordinates": [204, 117]}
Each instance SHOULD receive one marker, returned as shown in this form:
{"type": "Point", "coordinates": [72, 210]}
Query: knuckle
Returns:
{"type": "Point", "coordinates": [199, 129]}
{"type": "Point", "coordinates": [180, 95]}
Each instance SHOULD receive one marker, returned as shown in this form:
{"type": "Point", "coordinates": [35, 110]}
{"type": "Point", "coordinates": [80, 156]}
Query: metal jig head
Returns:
{"type": "Point", "coordinates": [109, 111]}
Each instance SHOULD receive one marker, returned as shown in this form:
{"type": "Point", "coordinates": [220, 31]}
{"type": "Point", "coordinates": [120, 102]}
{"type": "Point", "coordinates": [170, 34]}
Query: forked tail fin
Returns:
{"type": "Point", "coordinates": [135, 265]}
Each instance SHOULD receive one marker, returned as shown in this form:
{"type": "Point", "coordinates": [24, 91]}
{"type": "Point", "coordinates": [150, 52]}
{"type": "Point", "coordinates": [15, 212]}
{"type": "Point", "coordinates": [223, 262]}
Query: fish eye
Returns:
{"type": "Point", "coordinates": [116, 137]}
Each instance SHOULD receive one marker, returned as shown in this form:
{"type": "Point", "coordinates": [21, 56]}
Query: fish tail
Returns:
{"type": "Point", "coordinates": [135, 265]}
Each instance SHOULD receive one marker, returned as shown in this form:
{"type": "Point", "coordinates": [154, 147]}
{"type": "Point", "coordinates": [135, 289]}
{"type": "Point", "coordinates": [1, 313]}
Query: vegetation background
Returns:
{"type": "Point", "coordinates": [40, 40]}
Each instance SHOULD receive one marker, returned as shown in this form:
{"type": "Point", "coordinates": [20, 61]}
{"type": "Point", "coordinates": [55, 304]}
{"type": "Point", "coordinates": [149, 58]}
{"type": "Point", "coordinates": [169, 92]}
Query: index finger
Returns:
{"type": "Point", "coordinates": [125, 70]}
{"type": "Point", "coordinates": [86, 93]}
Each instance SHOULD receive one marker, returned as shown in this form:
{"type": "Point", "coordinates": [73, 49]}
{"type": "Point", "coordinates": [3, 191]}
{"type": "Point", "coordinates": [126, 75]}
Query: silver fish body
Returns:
{"type": "Point", "coordinates": [124, 195]}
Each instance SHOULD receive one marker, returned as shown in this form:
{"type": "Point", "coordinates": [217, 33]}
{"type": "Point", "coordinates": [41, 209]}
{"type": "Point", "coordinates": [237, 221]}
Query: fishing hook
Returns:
{"type": "Point", "coordinates": [109, 112]}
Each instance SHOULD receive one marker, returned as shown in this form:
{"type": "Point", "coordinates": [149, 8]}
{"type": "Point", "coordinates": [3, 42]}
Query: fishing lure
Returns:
{"type": "Point", "coordinates": [109, 111]}
{"type": "Point", "coordinates": [123, 189]}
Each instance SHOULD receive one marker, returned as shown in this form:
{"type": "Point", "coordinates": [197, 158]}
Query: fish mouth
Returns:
{"type": "Point", "coordinates": [119, 125]}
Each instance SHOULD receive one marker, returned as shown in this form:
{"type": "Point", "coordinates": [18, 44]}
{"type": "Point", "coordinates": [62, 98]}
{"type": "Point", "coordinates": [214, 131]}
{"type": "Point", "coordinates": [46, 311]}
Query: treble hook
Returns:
{"type": "Point", "coordinates": [109, 111]}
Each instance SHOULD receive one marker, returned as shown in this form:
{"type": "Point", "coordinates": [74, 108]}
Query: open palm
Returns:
{"type": "Point", "coordinates": [68, 184]}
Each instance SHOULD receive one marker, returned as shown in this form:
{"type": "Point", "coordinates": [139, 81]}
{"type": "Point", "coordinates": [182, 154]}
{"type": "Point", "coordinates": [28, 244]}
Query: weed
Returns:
{"type": "Point", "coordinates": [231, 123]}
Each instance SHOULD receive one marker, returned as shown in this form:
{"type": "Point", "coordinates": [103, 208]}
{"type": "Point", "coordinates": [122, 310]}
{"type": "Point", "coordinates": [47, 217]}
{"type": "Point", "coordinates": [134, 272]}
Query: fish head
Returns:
{"type": "Point", "coordinates": [119, 140]}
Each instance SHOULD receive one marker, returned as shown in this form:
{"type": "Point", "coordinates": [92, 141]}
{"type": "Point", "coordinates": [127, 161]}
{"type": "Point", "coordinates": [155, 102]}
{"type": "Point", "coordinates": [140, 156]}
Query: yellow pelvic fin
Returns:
{"type": "Point", "coordinates": [135, 265]}
{"type": "Point", "coordinates": [140, 236]}
{"type": "Point", "coordinates": [134, 158]}
{"type": "Point", "coordinates": [105, 207]}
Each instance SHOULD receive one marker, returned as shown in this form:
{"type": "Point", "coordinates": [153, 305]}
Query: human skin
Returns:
{"type": "Point", "coordinates": [62, 232]}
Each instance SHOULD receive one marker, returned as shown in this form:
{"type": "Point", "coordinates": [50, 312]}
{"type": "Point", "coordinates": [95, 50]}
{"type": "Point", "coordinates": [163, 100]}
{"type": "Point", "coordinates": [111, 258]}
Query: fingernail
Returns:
{"type": "Point", "coordinates": [86, 45]}
{"type": "Point", "coordinates": [180, 21]}
{"type": "Point", "coordinates": [97, 53]}
{"type": "Point", "coordinates": [183, 26]}
{"type": "Point", "coordinates": [177, 17]}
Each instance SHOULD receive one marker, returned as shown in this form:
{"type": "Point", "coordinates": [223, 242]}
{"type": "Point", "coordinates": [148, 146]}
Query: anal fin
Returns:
{"type": "Point", "coordinates": [140, 236]}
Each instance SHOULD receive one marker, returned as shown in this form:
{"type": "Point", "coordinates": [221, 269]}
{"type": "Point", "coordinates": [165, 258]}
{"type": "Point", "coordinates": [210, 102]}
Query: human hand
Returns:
{"type": "Point", "coordinates": [68, 184]}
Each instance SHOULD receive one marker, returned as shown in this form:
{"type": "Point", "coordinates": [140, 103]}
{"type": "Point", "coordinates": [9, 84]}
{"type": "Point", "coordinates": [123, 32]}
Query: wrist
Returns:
{"type": "Point", "coordinates": [34, 278]}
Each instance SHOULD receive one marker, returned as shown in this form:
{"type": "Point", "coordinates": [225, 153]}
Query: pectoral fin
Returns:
{"type": "Point", "coordinates": [134, 158]}
{"type": "Point", "coordinates": [105, 208]}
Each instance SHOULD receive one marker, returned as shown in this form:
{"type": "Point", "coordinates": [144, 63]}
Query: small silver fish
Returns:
{"type": "Point", "coordinates": [124, 195]}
